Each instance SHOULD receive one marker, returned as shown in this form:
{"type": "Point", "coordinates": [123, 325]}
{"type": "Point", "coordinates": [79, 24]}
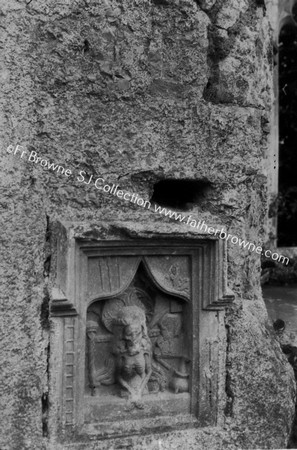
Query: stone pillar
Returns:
{"type": "Point", "coordinates": [169, 102]}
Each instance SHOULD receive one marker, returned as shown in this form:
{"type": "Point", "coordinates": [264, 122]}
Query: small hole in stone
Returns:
{"type": "Point", "coordinates": [44, 403]}
{"type": "Point", "coordinates": [261, 3]}
{"type": "Point", "coordinates": [160, 2]}
{"type": "Point", "coordinates": [180, 194]}
{"type": "Point", "coordinates": [86, 46]}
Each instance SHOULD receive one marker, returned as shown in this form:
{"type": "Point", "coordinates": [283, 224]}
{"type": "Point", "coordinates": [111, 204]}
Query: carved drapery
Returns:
{"type": "Point", "coordinates": [111, 275]}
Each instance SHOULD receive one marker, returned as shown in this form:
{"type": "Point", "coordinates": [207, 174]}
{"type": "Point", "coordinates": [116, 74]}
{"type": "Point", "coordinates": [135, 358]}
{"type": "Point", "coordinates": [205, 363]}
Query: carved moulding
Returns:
{"type": "Point", "coordinates": [141, 335]}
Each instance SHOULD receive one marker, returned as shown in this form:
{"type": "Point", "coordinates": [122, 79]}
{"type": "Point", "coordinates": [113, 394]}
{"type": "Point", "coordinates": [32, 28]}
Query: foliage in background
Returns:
{"type": "Point", "coordinates": [276, 273]}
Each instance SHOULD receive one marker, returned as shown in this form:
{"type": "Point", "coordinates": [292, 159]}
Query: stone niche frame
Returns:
{"type": "Point", "coordinates": [73, 249]}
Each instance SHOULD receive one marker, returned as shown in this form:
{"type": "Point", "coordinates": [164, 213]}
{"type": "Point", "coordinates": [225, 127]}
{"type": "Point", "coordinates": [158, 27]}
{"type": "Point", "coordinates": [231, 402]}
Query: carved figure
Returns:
{"type": "Point", "coordinates": [143, 348]}
{"type": "Point", "coordinates": [176, 280]}
{"type": "Point", "coordinates": [170, 342]}
{"type": "Point", "coordinates": [106, 374]}
{"type": "Point", "coordinates": [91, 333]}
{"type": "Point", "coordinates": [169, 347]}
{"type": "Point", "coordinates": [132, 350]}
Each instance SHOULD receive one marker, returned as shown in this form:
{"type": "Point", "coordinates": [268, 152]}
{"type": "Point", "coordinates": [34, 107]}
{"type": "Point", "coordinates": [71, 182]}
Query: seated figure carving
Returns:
{"type": "Point", "coordinates": [132, 350]}
{"type": "Point", "coordinates": [136, 348]}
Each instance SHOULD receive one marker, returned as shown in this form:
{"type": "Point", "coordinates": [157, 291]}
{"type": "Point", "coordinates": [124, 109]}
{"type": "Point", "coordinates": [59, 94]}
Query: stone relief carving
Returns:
{"type": "Point", "coordinates": [132, 350]}
{"type": "Point", "coordinates": [178, 282]}
{"type": "Point", "coordinates": [169, 347]}
{"type": "Point", "coordinates": [110, 275]}
{"type": "Point", "coordinates": [114, 361]}
{"type": "Point", "coordinates": [137, 346]}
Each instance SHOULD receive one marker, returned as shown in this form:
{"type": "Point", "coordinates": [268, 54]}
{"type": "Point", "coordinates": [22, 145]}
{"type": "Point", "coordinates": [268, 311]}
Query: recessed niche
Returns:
{"type": "Point", "coordinates": [138, 338]}
{"type": "Point", "coordinates": [180, 194]}
{"type": "Point", "coordinates": [138, 350]}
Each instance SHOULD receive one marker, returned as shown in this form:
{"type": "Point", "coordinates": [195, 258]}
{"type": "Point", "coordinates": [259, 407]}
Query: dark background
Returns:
{"type": "Point", "coordinates": [287, 206]}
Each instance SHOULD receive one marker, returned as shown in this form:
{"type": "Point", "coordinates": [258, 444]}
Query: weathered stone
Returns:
{"type": "Point", "coordinates": [135, 92]}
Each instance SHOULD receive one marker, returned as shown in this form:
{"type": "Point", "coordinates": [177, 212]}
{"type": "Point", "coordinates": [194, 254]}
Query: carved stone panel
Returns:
{"type": "Point", "coordinates": [141, 335]}
{"type": "Point", "coordinates": [137, 354]}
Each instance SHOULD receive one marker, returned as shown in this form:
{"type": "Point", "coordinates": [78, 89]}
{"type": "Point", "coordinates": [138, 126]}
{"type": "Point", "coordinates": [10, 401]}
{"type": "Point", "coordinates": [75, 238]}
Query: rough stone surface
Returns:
{"type": "Point", "coordinates": [134, 92]}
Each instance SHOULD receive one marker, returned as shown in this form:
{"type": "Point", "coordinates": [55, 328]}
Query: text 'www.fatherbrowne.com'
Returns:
{"type": "Point", "coordinates": [100, 185]}
{"type": "Point", "coordinates": [187, 220]}
{"type": "Point", "coordinates": [221, 233]}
